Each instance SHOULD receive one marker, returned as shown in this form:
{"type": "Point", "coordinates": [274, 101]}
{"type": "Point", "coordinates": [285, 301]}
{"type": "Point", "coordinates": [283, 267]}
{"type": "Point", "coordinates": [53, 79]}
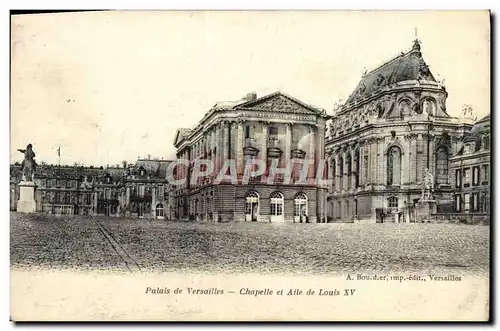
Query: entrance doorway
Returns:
{"type": "Point", "coordinates": [276, 210]}
{"type": "Point", "coordinates": [252, 206]}
{"type": "Point", "coordinates": [300, 208]}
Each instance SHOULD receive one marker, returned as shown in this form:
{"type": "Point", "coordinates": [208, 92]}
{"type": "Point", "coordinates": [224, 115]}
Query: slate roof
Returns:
{"type": "Point", "coordinates": [404, 67]}
{"type": "Point", "coordinates": [480, 127]}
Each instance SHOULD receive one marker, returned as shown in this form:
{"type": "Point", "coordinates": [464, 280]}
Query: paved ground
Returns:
{"type": "Point", "coordinates": [130, 245]}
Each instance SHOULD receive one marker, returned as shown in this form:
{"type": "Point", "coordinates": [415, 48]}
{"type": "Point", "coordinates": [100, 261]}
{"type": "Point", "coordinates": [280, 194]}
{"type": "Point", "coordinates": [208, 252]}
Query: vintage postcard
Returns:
{"type": "Point", "coordinates": [250, 166]}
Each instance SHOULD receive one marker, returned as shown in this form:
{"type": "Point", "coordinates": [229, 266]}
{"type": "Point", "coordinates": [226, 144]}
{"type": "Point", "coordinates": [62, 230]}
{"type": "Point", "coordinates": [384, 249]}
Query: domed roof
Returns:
{"type": "Point", "coordinates": [480, 127]}
{"type": "Point", "coordinates": [406, 66]}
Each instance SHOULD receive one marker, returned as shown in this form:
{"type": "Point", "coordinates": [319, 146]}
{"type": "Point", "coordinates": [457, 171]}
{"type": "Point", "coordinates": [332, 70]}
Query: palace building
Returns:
{"type": "Point", "coordinates": [134, 190]}
{"type": "Point", "coordinates": [274, 128]}
{"type": "Point", "coordinates": [381, 141]}
{"type": "Point", "coordinates": [470, 170]}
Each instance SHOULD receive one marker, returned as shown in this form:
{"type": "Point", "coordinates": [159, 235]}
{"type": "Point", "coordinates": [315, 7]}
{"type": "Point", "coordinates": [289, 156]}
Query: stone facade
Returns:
{"type": "Point", "coordinates": [470, 170]}
{"type": "Point", "coordinates": [381, 141]}
{"type": "Point", "coordinates": [137, 190]}
{"type": "Point", "coordinates": [274, 128]}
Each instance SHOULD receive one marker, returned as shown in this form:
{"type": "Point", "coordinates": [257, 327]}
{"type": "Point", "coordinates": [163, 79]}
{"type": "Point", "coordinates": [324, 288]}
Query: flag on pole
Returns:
{"type": "Point", "coordinates": [59, 151]}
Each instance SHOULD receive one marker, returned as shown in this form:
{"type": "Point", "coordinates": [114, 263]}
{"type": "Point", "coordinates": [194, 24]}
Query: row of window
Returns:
{"type": "Point", "coordinates": [66, 198]}
{"type": "Point", "coordinates": [393, 167]}
{"type": "Point", "coordinates": [473, 202]}
{"type": "Point", "coordinates": [479, 174]}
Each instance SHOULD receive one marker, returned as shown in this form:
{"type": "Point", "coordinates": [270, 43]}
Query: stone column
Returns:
{"type": "Point", "coordinates": [218, 149]}
{"type": "Point", "coordinates": [353, 169]}
{"type": "Point", "coordinates": [432, 164]}
{"type": "Point", "coordinates": [153, 197]}
{"type": "Point", "coordinates": [382, 169]}
{"type": "Point", "coordinates": [345, 177]}
{"type": "Point", "coordinates": [288, 142]}
{"type": "Point", "coordinates": [240, 160]}
{"type": "Point", "coordinates": [225, 143]}
{"type": "Point", "coordinates": [319, 142]}
{"type": "Point", "coordinates": [311, 158]}
{"type": "Point", "coordinates": [361, 169]}
{"type": "Point", "coordinates": [263, 148]}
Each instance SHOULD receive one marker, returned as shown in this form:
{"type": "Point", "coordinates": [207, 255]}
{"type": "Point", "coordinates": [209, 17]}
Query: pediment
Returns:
{"type": "Point", "coordinates": [281, 103]}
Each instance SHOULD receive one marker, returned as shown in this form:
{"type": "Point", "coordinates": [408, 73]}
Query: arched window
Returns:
{"type": "Point", "coordinates": [276, 204]}
{"type": "Point", "coordinates": [159, 210]}
{"type": "Point", "coordinates": [392, 202]}
{"type": "Point", "coordinates": [356, 168]}
{"type": "Point", "coordinates": [339, 209]}
{"type": "Point", "coordinates": [341, 173]}
{"type": "Point", "coordinates": [442, 165]}
{"type": "Point", "coordinates": [348, 162]}
{"type": "Point", "coordinates": [334, 173]}
{"type": "Point", "coordinates": [347, 212]}
{"type": "Point", "coordinates": [394, 166]}
{"type": "Point", "coordinates": [300, 204]}
{"type": "Point", "coordinates": [251, 206]}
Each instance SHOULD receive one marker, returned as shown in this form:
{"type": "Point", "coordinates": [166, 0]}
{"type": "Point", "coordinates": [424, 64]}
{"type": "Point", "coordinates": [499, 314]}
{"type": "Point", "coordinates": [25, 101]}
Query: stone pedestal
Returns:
{"type": "Point", "coordinates": [424, 210]}
{"type": "Point", "coordinates": [26, 203]}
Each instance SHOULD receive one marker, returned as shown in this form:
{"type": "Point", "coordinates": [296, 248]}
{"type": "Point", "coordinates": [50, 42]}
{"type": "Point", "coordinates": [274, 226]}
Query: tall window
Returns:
{"type": "Point", "coordinates": [458, 178]}
{"type": "Point", "coordinates": [276, 204]}
{"type": "Point", "coordinates": [467, 177]}
{"type": "Point", "coordinates": [442, 165]}
{"type": "Point", "coordinates": [475, 201]}
{"type": "Point", "coordinates": [339, 209]}
{"type": "Point", "coordinates": [466, 201]}
{"type": "Point", "coordinates": [247, 131]}
{"type": "Point", "coordinates": [273, 135]}
{"type": "Point", "coordinates": [349, 170]}
{"type": "Point", "coordinates": [141, 191]}
{"type": "Point", "coordinates": [394, 166]}
{"type": "Point", "coordinates": [486, 174]}
{"type": "Point", "coordinates": [475, 176]}
{"type": "Point", "coordinates": [458, 202]}
{"type": "Point", "coordinates": [334, 173]}
{"type": "Point", "coordinates": [392, 202]}
{"type": "Point", "coordinates": [300, 204]}
{"type": "Point", "coordinates": [251, 202]}
{"type": "Point", "coordinates": [486, 141]}
{"type": "Point", "coordinates": [341, 173]}
{"type": "Point", "coordinates": [356, 168]}
{"type": "Point", "coordinates": [159, 210]}
{"type": "Point", "coordinates": [365, 168]}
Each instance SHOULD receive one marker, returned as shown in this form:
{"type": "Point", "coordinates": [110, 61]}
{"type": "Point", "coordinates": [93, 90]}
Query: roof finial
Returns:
{"type": "Point", "coordinates": [416, 41]}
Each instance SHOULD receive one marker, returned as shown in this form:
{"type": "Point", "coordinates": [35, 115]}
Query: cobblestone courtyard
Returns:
{"type": "Point", "coordinates": [130, 245]}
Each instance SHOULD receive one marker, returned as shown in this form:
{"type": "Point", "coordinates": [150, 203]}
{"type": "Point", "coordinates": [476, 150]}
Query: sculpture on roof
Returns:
{"type": "Point", "coordinates": [28, 166]}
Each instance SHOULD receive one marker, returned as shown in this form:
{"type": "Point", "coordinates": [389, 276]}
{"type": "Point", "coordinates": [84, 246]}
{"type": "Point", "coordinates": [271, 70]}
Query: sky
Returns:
{"type": "Point", "coordinates": [114, 86]}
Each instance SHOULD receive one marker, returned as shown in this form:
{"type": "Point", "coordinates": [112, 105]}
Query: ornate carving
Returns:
{"type": "Point", "coordinates": [428, 185]}
{"type": "Point", "coordinates": [381, 80]}
{"type": "Point", "coordinates": [280, 103]}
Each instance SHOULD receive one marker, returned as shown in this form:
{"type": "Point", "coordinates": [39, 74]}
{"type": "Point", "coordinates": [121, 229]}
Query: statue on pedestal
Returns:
{"type": "Point", "coordinates": [428, 185]}
{"type": "Point", "coordinates": [28, 166]}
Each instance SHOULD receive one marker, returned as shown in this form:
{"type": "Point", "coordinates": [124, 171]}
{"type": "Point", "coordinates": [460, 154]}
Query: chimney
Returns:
{"type": "Point", "coordinates": [251, 96]}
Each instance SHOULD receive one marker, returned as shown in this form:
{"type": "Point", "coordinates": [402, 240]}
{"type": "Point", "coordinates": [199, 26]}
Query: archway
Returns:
{"type": "Point", "coordinates": [159, 211]}
{"type": "Point", "coordinates": [276, 207]}
{"type": "Point", "coordinates": [252, 206]}
{"type": "Point", "coordinates": [300, 208]}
